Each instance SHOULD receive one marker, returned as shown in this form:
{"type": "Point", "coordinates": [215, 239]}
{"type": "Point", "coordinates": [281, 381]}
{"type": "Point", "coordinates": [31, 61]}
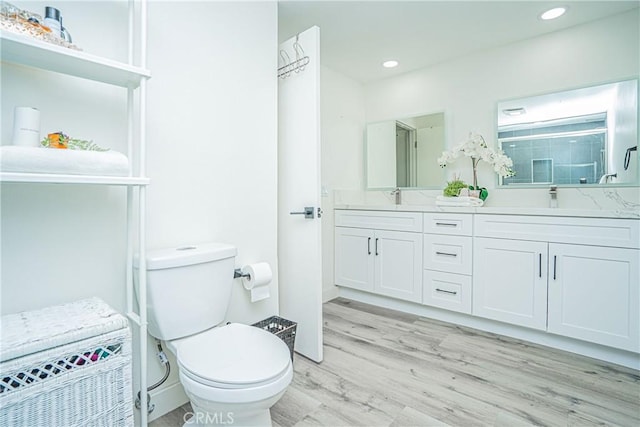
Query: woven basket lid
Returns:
{"type": "Point", "coordinates": [29, 332]}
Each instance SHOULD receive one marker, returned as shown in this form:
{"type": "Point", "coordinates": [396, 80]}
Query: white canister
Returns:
{"type": "Point", "coordinates": [53, 20]}
{"type": "Point", "coordinates": [26, 127]}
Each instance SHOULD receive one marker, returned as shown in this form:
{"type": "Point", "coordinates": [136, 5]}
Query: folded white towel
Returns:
{"type": "Point", "coordinates": [462, 201]}
{"type": "Point", "coordinates": [60, 161]}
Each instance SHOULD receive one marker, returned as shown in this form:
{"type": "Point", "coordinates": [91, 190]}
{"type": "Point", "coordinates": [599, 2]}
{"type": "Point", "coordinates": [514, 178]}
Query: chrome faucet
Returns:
{"type": "Point", "coordinates": [605, 178]}
{"type": "Point", "coordinates": [553, 194]}
{"type": "Point", "coordinates": [397, 193]}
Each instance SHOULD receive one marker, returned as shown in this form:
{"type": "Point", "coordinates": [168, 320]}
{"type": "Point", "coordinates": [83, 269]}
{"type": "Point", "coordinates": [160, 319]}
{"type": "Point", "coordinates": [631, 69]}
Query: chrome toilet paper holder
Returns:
{"type": "Point", "coordinates": [238, 273]}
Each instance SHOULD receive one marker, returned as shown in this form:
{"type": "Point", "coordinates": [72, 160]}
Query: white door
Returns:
{"type": "Point", "coordinates": [299, 238]}
{"type": "Point", "coordinates": [354, 258]}
{"type": "Point", "coordinates": [381, 154]}
{"type": "Point", "coordinates": [594, 294]}
{"type": "Point", "coordinates": [510, 281]}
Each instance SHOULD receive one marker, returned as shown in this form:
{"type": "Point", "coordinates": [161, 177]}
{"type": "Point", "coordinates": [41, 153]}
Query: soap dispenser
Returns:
{"type": "Point", "coordinates": [553, 196]}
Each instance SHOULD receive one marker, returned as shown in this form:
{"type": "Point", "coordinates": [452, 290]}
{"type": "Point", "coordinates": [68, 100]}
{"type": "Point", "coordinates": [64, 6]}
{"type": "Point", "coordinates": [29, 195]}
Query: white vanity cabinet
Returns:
{"type": "Point", "coordinates": [576, 277]}
{"type": "Point", "coordinates": [379, 252]}
{"type": "Point", "coordinates": [447, 261]}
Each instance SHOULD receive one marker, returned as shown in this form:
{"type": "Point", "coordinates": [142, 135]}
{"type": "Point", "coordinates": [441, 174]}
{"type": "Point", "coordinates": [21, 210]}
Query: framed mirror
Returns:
{"type": "Point", "coordinates": [572, 138]}
{"type": "Point", "coordinates": [403, 152]}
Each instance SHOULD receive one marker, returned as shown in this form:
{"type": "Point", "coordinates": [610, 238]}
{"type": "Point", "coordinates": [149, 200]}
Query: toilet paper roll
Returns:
{"type": "Point", "coordinates": [26, 127]}
{"type": "Point", "coordinates": [257, 281]}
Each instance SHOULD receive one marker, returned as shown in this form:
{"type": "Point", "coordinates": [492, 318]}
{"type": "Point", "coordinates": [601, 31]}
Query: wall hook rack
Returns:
{"type": "Point", "coordinates": [296, 65]}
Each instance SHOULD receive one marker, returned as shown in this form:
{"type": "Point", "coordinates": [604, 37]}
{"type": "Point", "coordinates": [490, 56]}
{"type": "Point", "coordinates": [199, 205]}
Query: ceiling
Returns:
{"type": "Point", "coordinates": [357, 36]}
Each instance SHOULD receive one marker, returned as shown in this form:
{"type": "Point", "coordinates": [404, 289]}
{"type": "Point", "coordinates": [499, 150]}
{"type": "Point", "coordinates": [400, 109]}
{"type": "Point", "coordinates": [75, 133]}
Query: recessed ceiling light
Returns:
{"type": "Point", "coordinates": [553, 13]}
{"type": "Point", "coordinates": [515, 111]}
{"type": "Point", "coordinates": [390, 64]}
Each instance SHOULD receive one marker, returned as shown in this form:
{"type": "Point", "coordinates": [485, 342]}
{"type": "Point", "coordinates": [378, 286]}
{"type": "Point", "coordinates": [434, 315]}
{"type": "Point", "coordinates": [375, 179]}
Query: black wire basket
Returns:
{"type": "Point", "coordinates": [282, 328]}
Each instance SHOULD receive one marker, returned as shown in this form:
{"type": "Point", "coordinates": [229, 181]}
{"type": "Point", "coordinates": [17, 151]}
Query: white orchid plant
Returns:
{"type": "Point", "coordinates": [477, 149]}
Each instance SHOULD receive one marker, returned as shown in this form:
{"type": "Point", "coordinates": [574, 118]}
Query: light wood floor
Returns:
{"type": "Point", "coordinates": [386, 368]}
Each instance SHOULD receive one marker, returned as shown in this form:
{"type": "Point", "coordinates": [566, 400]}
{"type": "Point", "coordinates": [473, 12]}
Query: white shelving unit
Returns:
{"type": "Point", "coordinates": [44, 178]}
{"type": "Point", "coordinates": [22, 50]}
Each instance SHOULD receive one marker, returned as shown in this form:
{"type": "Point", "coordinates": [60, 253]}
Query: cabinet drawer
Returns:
{"type": "Point", "coordinates": [623, 233]}
{"type": "Point", "coordinates": [447, 223]}
{"type": "Point", "coordinates": [380, 220]}
{"type": "Point", "coordinates": [447, 290]}
{"type": "Point", "coordinates": [448, 253]}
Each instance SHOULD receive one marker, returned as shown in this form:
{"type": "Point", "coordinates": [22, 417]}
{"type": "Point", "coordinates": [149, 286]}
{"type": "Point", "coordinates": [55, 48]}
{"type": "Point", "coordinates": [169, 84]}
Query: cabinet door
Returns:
{"type": "Point", "coordinates": [398, 264]}
{"type": "Point", "coordinates": [354, 258]}
{"type": "Point", "coordinates": [594, 294]}
{"type": "Point", "coordinates": [510, 281]}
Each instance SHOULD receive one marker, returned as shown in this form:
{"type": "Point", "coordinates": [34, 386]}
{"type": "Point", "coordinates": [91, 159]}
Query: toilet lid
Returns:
{"type": "Point", "coordinates": [234, 355]}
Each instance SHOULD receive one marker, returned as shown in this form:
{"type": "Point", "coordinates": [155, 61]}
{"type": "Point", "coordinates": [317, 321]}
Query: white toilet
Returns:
{"type": "Point", "coordinates": [231, 373]}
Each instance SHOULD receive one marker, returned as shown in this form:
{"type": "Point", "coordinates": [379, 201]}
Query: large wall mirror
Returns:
{"type": "Point", "coordinates": [403, 152]}
{"type": "Point", "coordinates": [575, 137]}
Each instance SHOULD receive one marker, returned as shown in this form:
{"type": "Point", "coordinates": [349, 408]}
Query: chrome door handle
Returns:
{"type": "Point", "coordinates": [308, 212]}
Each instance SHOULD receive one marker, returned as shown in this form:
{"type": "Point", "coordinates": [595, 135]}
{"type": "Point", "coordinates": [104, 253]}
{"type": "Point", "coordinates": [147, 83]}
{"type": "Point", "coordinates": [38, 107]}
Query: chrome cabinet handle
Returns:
{"type": "Point", "coordinates": [554, 267]}
{"type": "Point", "coordinates": [446, 254]}
{"type": "Point", "coordinates": [445, 224]}
{"type": "Point", "coordinates": [446, 292]}
{"type": "Point", "coordinates": [368, 245]}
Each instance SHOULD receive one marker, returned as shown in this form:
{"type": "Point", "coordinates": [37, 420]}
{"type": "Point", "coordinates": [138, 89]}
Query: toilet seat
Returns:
{"type": "Point", "coordinates": [234, 356]}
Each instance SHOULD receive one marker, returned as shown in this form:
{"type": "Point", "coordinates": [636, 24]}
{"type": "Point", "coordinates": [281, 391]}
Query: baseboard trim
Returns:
{"type": "Point", "coordinates": [167, 399]}
{"type": "Point", "coordinates": [330, 293]}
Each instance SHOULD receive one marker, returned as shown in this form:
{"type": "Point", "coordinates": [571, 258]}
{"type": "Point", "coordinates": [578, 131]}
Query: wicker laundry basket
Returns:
{"type": "Point", "coordinates": [67, 365]}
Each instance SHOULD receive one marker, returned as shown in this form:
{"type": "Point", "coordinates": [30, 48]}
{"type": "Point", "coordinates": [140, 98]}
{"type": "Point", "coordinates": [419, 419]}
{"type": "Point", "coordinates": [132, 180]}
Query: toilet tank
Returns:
{"type": "Point", "coordinates": [188, 288]}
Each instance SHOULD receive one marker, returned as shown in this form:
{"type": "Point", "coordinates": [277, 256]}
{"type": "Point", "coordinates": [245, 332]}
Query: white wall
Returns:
{"type": "Point", "coordinates": [342, 130]}
{"type": "Point", "coordinates": [469, 88]}
{"type": "Point", "coordinates": [212, 156]}
{"type": "Point", "coordinates": [213, 134]}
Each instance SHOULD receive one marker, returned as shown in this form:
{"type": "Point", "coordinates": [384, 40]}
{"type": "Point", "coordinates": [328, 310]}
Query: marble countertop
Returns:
{"type": "Point", "coordinates": [588, 213]}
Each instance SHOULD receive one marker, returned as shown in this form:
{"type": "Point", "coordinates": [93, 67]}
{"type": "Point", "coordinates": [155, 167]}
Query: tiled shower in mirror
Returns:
{"type": "Point", "coordinates": [571, 153]}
